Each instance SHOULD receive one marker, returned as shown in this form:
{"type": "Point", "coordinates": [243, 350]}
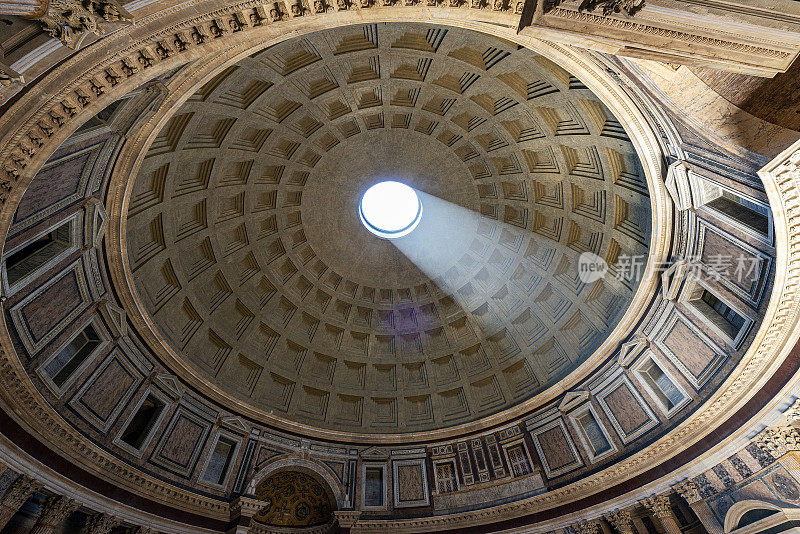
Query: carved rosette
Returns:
{"type": "Point", "coordinates": [621, 521]}
{"type": "Point", "coordinates": [689, 490]}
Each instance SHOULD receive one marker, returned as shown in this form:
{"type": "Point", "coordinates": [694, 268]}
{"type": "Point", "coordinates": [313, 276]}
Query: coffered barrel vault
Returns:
{"type": "Point", "coordinates": [200, 336]}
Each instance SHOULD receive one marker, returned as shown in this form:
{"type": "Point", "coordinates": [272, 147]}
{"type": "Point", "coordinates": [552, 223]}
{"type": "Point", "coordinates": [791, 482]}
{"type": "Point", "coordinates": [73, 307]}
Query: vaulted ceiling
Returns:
{"type": "Point", "coordinates": [246, 248]}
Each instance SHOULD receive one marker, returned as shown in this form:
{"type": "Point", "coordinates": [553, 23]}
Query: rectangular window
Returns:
{"type": "Point", "coordinates": [373, 487]}
{"type": "Point", "coordinates": [446, 478]}
{"type": "Point", "coordinates": [220, 461]}
{"type": "Point", "coordinates": [141, 424]}
{"type": "Point", "coordinates": [661, 384]}
{"type": "Point", "coordinates": [38, 252]}
{"type": "Point", "coordinates": [518, 459]}
{"type": "Point", "coordinates": [66, 362]}
{"type": "Point", "coordinates": [594, 434]}
{"type": "Point", "coordinates": [751, 214]}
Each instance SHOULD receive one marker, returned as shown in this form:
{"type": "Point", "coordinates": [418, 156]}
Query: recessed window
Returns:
{"type": "Point", "coordinates": [751, 214]}
{"type": "Point", "coordinates": [518, 460]}
{"type": "Point", "coordinates": [220, 461]}
{"type": "Point", "coordinates": [38, 252]}
{"type": "Point", "coordinates": [70, 358]}
{"type": "Point", "coordinates": [373, 487]}
{"type": "Point", "coordinates": [662, 385]}
{"type": "Point", "coordinates": [390, 209]}
{"type": "Point", "coordinates": [595, 437]}
{"type": "Point", "coordinates": [141, 424]}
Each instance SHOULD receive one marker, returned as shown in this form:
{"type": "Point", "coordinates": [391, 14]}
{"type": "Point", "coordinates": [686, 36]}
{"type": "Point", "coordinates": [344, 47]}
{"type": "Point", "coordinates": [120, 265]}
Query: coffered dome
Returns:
{"type": "Point", "coordinates": [244, 240]}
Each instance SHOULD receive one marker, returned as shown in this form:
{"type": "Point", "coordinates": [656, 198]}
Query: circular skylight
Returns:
{"type": "Point", "coordinates": [390, 209]}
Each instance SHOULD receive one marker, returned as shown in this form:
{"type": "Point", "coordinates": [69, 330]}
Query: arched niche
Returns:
{"type": "Point", "coordinates": [313, 468]}
{"type": "Point", "coordinates": [755, 516]}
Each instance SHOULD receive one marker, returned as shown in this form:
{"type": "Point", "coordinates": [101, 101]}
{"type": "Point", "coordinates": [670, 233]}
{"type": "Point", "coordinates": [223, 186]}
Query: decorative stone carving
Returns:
{"type": "Point", "coordinates": [15, 496]}
{"type": "Point", "coordinates": [609, 7]}
{"type": "Point", "coordinates": [659, 506]}
{"type": "Point", "coordinates": [621, 520]}
{"type": "Point", "coordinates": [628, 7]}
{"type": "Point", "coordinates": [587, 527]}
{"type": "Point", "coordinates": [101, 524]}
{"type": "Point", "coordinates": [689, 490]}
{"type": "Point", "coordinates": [779, 440]}
{"type": "Point", "coordinates": [70, 21]}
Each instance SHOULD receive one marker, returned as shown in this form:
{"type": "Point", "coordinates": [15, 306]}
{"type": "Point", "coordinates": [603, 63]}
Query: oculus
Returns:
{"type": "Point", "coordinates": [390, 209]}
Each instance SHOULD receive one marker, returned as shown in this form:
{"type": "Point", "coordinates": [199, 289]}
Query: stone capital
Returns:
{"type": "Point", "coordinates": [56, 510]}
{"type": "Point", "coordinates": [658, 505]}
{"type": "Point", "coordinates": [621, 520]}
{"type": "Point", "coordinates": [101, 524]}
{"type": "Point", "coordinates": [19, 492]}
{"type": "Point", "coordinates": [778, 440]}
{"type": "Point", "coordinates": [587, 527]}
{"type": "Point", "coordinates": [689, 490]}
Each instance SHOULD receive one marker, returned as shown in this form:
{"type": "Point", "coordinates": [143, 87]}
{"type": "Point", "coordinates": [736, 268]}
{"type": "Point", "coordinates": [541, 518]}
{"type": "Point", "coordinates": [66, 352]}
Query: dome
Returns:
{"type": "Point", "coordinates": [247, 250]}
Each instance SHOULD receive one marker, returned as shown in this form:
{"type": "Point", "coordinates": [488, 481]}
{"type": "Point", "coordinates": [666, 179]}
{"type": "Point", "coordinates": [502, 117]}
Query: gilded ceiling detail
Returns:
{"type": "Point", "coordinates": [292, 499]}
{"type": "Point", "coordinates": [247, 250]}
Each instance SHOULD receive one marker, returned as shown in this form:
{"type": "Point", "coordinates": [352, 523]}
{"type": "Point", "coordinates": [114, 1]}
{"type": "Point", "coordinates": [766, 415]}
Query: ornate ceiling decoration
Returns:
{"type": "Point", "coordinates": [292, 499]}
{"type": "Point", "coordinates": [245, 244]}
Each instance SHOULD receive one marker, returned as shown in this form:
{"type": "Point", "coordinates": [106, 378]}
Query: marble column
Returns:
{"type": "Point", "coordinates": [54, 512]}
{"type": "Point", "coordinates": [691, 493]}
{"type": "Point", "coordinates": [31, 9]}
{"type": "Point", "coordinates": [659, 506]}
{"type": "Point", "coordinates": [621, 521]}
{"type": "Point", "coordinates": [101, 524]}
{"type": "Point", "coordinates": [15, 496]}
